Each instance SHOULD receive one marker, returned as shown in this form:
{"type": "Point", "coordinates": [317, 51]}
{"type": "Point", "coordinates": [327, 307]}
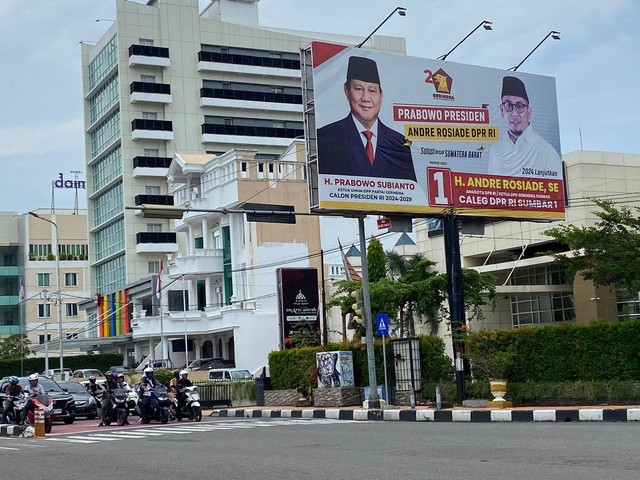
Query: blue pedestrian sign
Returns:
{"type": "Point", "coordinates": [382, 324]}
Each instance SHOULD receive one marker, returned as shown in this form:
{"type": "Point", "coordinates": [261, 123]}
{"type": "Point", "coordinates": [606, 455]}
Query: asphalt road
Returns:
{"type": "Point", "coordinates": [284, 449]}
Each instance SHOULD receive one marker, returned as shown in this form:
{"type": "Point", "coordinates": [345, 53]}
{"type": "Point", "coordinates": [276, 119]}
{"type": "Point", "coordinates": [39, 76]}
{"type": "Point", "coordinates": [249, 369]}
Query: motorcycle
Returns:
{"type": "Point", "coordinates": [117, 408]}
{"type": "Point", "coordinates": [132, 402]}
{"type": "Point", "coordinates": [158, 408]}
{"type": "Point", "coordinates": [42, 401]}
{"type": "Point", "coordinates": [190, 404]}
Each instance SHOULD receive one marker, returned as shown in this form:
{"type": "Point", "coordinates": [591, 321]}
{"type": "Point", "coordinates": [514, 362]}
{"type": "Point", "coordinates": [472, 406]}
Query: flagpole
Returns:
{"type": "Point", "coordinates": [184, 310]}
{"type": "Point", "coordinates": [159, 294]}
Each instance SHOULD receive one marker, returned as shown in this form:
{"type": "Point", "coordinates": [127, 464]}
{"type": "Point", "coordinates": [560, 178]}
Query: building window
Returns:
{"type": "Point", "coordinates": [149, 115]}
{"type": "Point", "coordinates": [151, 152]}
{"type": "Point", "coordinates": [44, 279]}
{"type": "Point", "coordinates": [41, 339]}
{"type": "Point", "coordinates": [70, 279]}
{"type": "Point", "coordinates": [176, 300]}
{"type": "Point", "coordinates": [71, 309]}
{"type": "Point", "coordinates": [44, 310]}
{"type": "Point", "coordinates": [148, 78]}
{"type": "Point", "coordinates": [146, 41]}
{"type": "Point", "coordinates": [198, 242]}
{"type": "Point", "coordinates": [151, 190]}
{"type": "Point", "coordinates": [153, 267]}
{"type": "Point", "coordinates": [154, 227]}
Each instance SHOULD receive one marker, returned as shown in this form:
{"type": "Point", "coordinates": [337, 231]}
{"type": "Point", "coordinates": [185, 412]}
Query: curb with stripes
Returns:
{"type": "Point", "coordinates": [10, 430]}
{"type": "Point", "coordinates": [406, 415]}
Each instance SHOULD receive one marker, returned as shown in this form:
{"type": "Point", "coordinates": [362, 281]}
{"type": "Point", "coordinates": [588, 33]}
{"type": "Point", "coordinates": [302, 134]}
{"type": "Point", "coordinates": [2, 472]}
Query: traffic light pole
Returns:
{"type": "Point", "coordinates": [456, 297]}
{"type": "Point", "coordinates": [374, 398]}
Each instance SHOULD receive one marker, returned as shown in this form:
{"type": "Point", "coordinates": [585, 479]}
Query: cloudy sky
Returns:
{"type": "Point", "coordinates": [596, 65]}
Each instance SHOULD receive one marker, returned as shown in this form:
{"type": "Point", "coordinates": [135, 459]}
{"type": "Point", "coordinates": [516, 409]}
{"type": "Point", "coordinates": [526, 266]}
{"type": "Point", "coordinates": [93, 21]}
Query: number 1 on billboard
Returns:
{"type": "Point", "coordinates": [439, 186]}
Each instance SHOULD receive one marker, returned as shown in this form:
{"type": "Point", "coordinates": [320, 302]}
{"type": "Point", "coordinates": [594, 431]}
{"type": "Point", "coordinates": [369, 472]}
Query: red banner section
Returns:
{"type": "Point", "coordinates": [476, 191]}
{"type": "Point", "coordinates": [438, 114]}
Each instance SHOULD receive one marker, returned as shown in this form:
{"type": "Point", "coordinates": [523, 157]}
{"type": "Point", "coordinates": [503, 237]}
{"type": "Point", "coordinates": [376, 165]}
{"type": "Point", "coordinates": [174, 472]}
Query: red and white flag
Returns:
{"type": "Point", "coordinates": [349, 270]}
{"type": "Point", "coordinates": [159, 284]}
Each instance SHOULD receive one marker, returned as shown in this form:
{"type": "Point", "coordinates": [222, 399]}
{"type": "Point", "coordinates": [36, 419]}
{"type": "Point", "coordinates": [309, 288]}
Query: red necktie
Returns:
{"type": "Point", "coordinates": [369, 146]}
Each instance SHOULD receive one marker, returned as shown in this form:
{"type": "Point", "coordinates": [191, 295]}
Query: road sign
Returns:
{"type": "Point", "coordinates": [382, 324]}
{"type": "Point", "coordinates": [384, 222]}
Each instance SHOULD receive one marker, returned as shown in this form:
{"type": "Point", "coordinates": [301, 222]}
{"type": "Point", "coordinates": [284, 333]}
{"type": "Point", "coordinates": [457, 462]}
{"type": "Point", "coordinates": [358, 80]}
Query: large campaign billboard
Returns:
{"type": "Point", "coordinates": [406, 135]}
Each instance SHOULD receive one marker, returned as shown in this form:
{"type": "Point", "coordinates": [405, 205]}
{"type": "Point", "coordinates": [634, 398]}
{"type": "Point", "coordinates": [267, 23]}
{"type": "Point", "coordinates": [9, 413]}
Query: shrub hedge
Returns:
{"type": "Point", "coordinates": [295, 367]}
{"type": "Point", "coordinates": [36, 364]}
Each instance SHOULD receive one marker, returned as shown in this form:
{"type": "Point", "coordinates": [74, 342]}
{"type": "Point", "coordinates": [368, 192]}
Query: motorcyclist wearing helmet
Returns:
{"type": "Point", "coordinates": [122, 384]}
{"type": "Point", "coordinates": [13, 390]}
{"type": "Point", "coordinates": [92, 387]}
{"type": "Point", "coordinates": [146, 386]}
{"type": "Point", "coordinates": [32, 390]}
{"type": "Point", "coordinates": [109, 386]}
{"type": "Point", "coordinates": [173, 388]}
{"type": "Point", "coordinates": [181, 384]}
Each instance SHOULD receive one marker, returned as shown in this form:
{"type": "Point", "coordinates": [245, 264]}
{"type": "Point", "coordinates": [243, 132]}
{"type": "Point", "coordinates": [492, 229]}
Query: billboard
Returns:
{"type": "Point", "coordinates": [299, 302]}
{"type": "Point", "coordinates": [405, 135]}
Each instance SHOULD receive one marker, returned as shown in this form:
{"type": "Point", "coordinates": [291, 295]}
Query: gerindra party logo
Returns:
{"type": "Point", "coordinates": [442, 83]}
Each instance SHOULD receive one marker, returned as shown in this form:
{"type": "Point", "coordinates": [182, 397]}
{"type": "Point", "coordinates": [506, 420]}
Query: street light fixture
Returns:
{"type": "Point", "coordinates": [487, 25]}
{"type": "Point", "coordinates": [553, 34]}
{"type": "Point", "coordinates": [401, 11]}
{"type": "Point", "coordinates": [58, 300]}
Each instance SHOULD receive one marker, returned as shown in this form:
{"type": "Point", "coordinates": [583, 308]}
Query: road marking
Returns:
{"type": "Point", "coordinates": [9, 448]}
{"type": "Point", "coordinates": [72, 440]}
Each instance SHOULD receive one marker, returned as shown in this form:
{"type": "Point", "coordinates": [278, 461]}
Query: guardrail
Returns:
{"type": "Point", "coordinates": [212, 394]}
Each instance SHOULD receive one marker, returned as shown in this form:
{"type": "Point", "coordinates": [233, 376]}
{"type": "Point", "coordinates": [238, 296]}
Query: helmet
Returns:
{"type": "Point", "coordinates": [13, 380]}
{"type": "Point", "coordinates": [177, 373]}
{"type": "Point", "coordinates": [92, 379]}
{"type": "Point", "coordinates": [108, 374]}
{"type": "Point", "coordinates": [33, 377]}
{"type": "Point", "coordinates": [120, 376]}
{"type": "Point", "coordinates": [148, 370]}
{"type": "Point", "coordinates": [183, 372]}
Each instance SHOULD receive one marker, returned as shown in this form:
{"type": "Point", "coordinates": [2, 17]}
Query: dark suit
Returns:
{"type": "Point", "coordinates": [341, 152]}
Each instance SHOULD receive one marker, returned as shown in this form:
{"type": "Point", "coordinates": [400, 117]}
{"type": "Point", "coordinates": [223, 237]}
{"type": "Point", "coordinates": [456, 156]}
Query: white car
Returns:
{"type": "Point", "coordinates": [229, 375]}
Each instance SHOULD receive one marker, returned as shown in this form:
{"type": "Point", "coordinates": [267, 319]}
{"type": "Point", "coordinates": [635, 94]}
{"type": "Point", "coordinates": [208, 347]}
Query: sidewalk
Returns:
{"type": "Point", "coordinates": [624, 413]}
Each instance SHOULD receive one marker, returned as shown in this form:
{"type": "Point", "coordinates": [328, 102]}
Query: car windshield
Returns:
{"type": "Point", "coordinates": [73, 387]}
{"type": "Point", "coordinates": [241, 375]}
{"type": "Point", "coordinates": [48, 384]}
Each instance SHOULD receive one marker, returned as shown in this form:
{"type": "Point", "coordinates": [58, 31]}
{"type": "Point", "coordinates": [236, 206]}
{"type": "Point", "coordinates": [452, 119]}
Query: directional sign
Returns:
{"type": "Point", "coordinates": [382, 324]}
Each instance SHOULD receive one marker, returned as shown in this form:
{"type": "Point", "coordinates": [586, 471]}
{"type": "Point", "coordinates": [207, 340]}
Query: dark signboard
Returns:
{"type": "Point", "coordinates": [299, 303]}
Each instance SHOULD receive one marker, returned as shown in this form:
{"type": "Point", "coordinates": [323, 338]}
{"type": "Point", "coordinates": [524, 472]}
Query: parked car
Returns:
{"type": "Point", "coordinates": [210, 362]}
{"type": "Point", "coordinates": [87, 372]}
{"type": "Point", "coordinates": [86, 405]}
{"type": "Point", "coordinates": [64, 406]}
{"type": "Point", "coordinates": [229, 375]}
{"type": "Point", "coordinates": [155, 364]}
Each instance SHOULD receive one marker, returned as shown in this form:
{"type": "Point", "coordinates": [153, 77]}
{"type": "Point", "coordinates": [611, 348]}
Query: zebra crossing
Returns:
{"type": "Point", "coordinates": [182, 429]}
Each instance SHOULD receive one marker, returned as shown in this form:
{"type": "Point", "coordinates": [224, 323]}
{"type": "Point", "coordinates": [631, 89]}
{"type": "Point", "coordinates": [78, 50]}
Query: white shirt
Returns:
{"type": "Point", "coordinates": [530, 156]}
{"type": "Point", "coordinates": [373, 129]}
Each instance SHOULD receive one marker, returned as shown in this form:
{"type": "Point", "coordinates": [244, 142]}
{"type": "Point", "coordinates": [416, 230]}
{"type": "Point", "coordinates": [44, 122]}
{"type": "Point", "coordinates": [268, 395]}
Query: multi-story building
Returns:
{"type": "Point", "coordinates": [164, 79]}
{"type": "Point", "coordinates": [29, 281]}
{"type": "Point", "coordinates": [532, 289]}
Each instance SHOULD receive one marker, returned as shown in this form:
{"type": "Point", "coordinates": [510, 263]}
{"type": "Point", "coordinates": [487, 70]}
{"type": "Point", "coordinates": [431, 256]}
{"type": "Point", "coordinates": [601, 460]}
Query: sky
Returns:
{"type": "Point", "coordinates": [596, 66]}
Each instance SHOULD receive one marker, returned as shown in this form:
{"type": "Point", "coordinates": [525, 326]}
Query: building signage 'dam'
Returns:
{"type": "Point", "coordinates": [62, 183]}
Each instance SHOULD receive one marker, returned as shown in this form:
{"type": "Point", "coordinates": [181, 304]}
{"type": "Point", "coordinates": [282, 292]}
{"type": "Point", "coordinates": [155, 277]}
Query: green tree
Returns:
{"type": "Point", "coordinates": [607, 253]}
{"type": "Point", "coordinates": [376, 263]}
{"type": "Point", "coordinates": [14, 346]}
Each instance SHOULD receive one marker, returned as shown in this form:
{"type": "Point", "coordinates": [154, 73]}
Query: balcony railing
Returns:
{"type": "Point", "coordinates": [156, 237]}
{"type": "Point", "coordinates": [159, 125]}
{"type": "Point", "coordinates": [249, 60]}
{"type": "Point", "coordinates": [150, 87]}
{"type": "Point", "coordinates": [151, 162]}
{"type": "Point", "coordinates": [154, 199]}
{"type": "Point", "coordinates": [248, 131]}
{"type": "Point", "coordinates": [148, 51]}
{"type": "Point", "coordinates": [250, 96]}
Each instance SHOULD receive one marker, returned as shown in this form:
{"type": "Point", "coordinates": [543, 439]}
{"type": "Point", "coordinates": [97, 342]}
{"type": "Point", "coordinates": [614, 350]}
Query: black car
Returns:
{"type": "Point", "coordinates": [210, 362]}
{"type": "Point", "coordinates": [64, 407]}
{"type": "Point", "coordinates": [86, 405]}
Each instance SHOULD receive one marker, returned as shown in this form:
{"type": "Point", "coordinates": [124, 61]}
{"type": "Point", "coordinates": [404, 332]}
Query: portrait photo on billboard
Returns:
{"type": "Point", "coordinates": [412, 135]}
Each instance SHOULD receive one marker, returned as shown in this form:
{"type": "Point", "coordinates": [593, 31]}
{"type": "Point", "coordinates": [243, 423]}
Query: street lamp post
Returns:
{"type": "Point", "coordinates": [553, 34]}
{"type": "Point", "coordinates": [58, 299]}
{"type": "Point", "coordinates": [401, 11]}
{"type": "Point", "coordinates": [485, 24]}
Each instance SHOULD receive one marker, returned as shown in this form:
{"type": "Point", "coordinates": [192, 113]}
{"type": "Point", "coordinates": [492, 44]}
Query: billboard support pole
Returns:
{"type": "Point", "coordinates": [456, 296]}
{"type": "Point", "coordinates": [374, 398]}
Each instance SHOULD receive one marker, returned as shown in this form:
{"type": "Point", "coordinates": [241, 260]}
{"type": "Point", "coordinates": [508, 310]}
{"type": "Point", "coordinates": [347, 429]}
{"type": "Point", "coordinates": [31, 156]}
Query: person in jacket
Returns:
{"type": "Point", "coordinates": [33, 389]}
{"type": "Point", "coordinates": [13, 390]}
{"type": "Point", "coordinates": [146, 390]}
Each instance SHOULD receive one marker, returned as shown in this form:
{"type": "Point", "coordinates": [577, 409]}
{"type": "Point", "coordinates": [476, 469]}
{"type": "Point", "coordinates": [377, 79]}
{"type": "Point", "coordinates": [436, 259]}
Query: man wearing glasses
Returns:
{"type": "Point", "coordinates": [521, 152]}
